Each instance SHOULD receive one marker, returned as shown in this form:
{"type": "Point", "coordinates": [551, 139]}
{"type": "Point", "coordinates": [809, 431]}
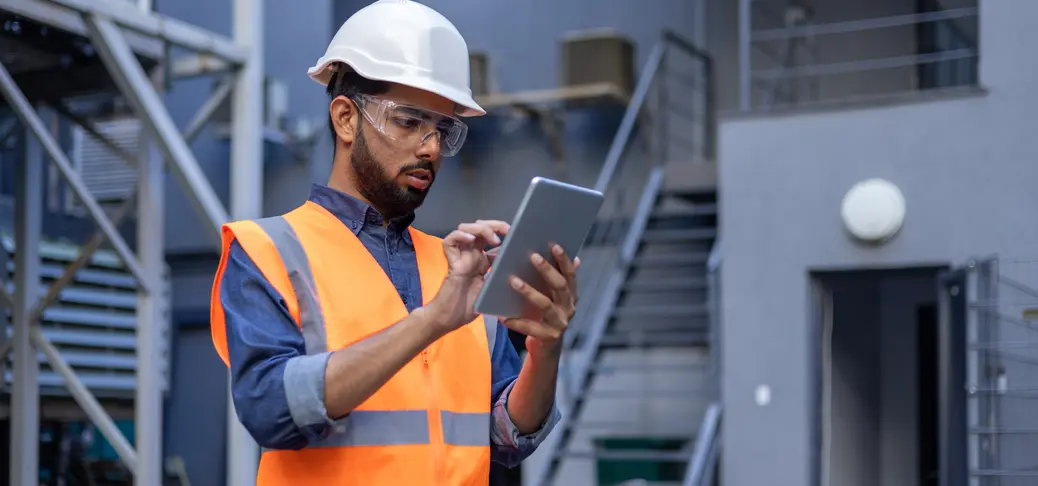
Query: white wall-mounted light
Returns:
{"type": "Point", "coordinates": [873, 210]}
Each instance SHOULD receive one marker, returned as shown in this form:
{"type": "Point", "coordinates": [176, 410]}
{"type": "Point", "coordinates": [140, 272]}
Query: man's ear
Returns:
{"type": "Point", "coordinates": [343, 114]}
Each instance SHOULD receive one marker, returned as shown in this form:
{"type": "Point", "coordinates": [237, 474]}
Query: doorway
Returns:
{"type": "Point", "coordinates": [880, 364]}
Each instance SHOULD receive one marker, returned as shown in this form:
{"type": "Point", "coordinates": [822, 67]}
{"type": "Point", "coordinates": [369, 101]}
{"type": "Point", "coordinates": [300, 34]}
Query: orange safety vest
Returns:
{"type": "Point", "coordinates": [430, 423]}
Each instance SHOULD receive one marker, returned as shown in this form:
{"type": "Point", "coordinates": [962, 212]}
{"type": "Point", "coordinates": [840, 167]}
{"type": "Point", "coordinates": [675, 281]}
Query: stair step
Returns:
{"type": "Point", "coordinates": [670, 339]}
{"type": "Point", "coordinates": [663, 325]}
{"type": "Point", "coordinates": [669, 260]}
{"type": "Point", "coordinates": [673, 235]}
{"type": "Point", "coordinates": [606, 368]}
{"type": "Point", "coordinates": [659, 311]}
{"type": "Point", "coordinates": [708, 209]}
{"type": "Point", "coordinates": [672, 284]}
{"type": "Point", "coordinates": [632, 455]}
{"type": "Point", "coordinates": [649, 394]}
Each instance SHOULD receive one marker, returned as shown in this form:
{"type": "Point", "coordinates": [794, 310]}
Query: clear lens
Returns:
{"type": "Point", "coordinates": [412, 126]}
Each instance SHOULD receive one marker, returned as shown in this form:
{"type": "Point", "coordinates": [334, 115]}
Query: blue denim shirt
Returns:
{"type": "Point", "coordinates": [262, 337]}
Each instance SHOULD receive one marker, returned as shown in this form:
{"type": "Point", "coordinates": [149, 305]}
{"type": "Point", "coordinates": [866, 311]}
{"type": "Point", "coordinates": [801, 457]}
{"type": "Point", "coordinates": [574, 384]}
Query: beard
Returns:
{"type": "Point", "coordinates": [389, 197]}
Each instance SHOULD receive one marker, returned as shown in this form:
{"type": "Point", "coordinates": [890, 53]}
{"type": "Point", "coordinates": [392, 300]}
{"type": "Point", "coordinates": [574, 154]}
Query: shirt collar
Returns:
{"type": "Point", "coordinates": [355, 213]}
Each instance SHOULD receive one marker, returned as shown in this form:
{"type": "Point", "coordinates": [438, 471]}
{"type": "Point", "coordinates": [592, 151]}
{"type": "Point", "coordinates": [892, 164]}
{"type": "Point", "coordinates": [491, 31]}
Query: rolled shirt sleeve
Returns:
{"type": "Point", "coordinates": [278, 390]}
{"type": "Point", "coordinates": [509, 447]}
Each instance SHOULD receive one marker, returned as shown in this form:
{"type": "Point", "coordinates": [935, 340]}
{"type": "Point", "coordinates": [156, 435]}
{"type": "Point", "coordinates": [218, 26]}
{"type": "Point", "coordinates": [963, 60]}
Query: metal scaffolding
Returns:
{"type": "Point", "coordinates": [121, 33]}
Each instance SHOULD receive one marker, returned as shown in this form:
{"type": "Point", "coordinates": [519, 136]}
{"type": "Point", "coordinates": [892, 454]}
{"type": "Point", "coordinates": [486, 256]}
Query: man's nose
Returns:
{"type": "Point", "coordinates": [429, 148]}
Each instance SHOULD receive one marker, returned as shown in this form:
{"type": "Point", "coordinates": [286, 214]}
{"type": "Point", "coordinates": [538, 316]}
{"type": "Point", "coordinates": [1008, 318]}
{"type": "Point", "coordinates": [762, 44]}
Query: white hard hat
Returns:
{"type": "Point", "coordinates": [404, 42]}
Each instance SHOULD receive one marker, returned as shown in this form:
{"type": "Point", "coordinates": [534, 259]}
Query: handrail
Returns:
{"type": "Point", "coordinates": [623, 135]}
{"type": "Point", "coordinates": [701, 468]}
{"type": "Point", "coordinates": [641, 91]}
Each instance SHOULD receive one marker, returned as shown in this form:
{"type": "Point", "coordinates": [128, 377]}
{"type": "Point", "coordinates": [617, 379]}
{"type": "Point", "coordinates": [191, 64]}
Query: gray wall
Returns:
{"type": "Point", "coordinates": [966, 168]}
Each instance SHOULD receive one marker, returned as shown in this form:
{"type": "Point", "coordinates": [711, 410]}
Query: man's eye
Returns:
{"type": "Point", "coordinates": [407, 122]}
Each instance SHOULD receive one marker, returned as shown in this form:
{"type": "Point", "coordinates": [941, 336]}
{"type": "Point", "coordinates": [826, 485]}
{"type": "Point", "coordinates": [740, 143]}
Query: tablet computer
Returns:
{"type": "Point", "coordinates": [551, 212]}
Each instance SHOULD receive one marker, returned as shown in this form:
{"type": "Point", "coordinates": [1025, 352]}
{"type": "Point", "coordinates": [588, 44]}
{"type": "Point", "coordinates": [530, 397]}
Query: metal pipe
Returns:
{"type": "Point", "coordinates": [134, 84]}
{"type": "Point", "coordinates": [148, 403]}
{"type": "Point", "coordinates": [206, 111]}
{"type": "Point", "coordinates": [25, 394]}
{"type": "Point", "coordinates": [246, 195]}
{"type": "Point", "coordinates": [847, 67]}
{"type": "Point", "coordinates": [745, 61]}
{"type": "Point", "coordinates": [863, 24]}
{"type": "Point", "coordinates": [30, 119]}
{"type": "Point", "coordinates": [86, 401]}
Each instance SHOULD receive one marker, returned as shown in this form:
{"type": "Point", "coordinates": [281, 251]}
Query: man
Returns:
{"type": "Point", "coordinates": [356, 356]}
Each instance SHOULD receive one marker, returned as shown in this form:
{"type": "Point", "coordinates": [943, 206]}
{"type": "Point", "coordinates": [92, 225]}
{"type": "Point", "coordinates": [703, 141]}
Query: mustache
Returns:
{"type": "Point", "coordinates": [423, 165]}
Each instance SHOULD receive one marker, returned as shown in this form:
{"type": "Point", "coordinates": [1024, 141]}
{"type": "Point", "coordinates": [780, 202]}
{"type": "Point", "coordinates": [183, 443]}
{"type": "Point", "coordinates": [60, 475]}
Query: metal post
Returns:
{"type": "Point", "coordinates": [150, 185]}
{"type": "Point", "coordinates": [25, 396]}
{"type": "Point", "coordinates": [745, 64]}
{"type": "Point", "coordinates": [246, 194]}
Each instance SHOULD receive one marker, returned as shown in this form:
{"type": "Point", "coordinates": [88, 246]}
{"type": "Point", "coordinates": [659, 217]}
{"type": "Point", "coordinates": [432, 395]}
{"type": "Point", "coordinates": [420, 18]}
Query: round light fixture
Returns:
{"type": "Point", "coordinates": [873, 210]}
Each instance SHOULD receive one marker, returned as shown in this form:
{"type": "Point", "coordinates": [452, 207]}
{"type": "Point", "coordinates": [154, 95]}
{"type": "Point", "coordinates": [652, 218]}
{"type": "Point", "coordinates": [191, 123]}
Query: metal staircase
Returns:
{"type": "Point", "coordinates": [640, 365]}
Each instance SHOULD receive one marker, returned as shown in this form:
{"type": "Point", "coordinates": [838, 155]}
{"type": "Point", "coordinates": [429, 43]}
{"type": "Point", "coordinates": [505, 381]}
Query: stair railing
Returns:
{"type": "Point", "coordinates": [703, 466]}
{"type": "Point", "coordinates": [626, 174]}
{"type": "Point", "coordinates": [631, 182]}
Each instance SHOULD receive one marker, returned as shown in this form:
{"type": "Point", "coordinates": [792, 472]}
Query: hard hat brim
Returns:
{"type": "Point", "coordinates": [322, 74]}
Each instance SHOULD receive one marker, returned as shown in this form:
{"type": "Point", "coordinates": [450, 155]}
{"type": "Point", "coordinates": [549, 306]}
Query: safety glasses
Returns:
{"type": "Point", "coordinates": [412, 126]}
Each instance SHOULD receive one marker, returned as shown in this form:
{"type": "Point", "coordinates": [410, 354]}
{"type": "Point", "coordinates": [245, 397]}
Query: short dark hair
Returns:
{"type": "Point", "coordinates": [346, 82]}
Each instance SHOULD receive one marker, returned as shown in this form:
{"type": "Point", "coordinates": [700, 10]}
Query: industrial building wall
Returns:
{"type": "Point", "coordinates": [966, 168]}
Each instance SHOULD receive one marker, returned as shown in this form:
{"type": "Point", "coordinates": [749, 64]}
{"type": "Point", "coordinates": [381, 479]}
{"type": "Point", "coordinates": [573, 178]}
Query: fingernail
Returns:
{"type": "Point", "coordinates": [576, 261]}
{"type": "Point", "coordinates": [537, 258]}
{"type": "Point", "coordinates": [557, 249]}
{"type": "Point", "coordinates": [516, 283]}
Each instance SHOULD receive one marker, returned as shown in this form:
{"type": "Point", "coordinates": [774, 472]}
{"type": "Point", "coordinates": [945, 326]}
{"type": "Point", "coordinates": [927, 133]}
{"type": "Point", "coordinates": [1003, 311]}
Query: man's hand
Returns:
{"type": "Point", "coordinates": [544, 332]}
{"type": "Point", "coordinates": [467, 265]}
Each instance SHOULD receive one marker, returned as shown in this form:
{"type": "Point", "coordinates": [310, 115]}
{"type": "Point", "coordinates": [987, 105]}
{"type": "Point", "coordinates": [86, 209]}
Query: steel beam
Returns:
{"type": "Point", "coordinates": [150, 185]}
{"type": "Point", "coordinates": [206, 111]}
{"type": "Point", "coordinates": [173, 31]}
{"type": "Point", "coordinates": [246, 195]}
{"type": "Point", "coordinates": [86, 401]}
{"type": "Point", "coordinates": [71, 21]}
{"type": "Point", "coordinates": [25, 396]}
{"type": "Point", "coordinates": [31, 120]}
{"type": "Point", "coordinates": [134, 84]}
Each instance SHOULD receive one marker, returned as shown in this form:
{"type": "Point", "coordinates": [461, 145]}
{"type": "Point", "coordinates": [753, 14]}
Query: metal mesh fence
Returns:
{"type": "Point", "coordinates": [1002, 372]}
